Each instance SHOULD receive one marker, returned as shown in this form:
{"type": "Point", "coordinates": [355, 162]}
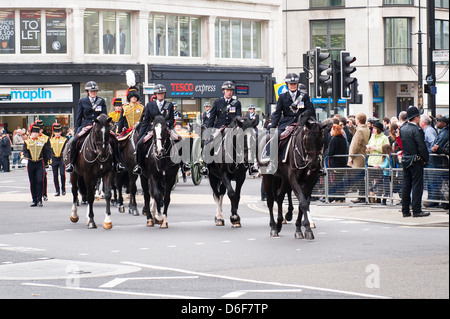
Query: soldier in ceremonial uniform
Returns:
{"type": "Point", "coordinates": [291, 104]}
{"type": "Point", "coordinates": [131, 112]}
{"type": "Point", "coordinates": [57, 143]}
{"type": "Point", "coordinates": [89, 108]}
{"type": "Point", "coordinates": [37, 151]}
{"type": "Point", "coordinates": [158, 106]}
{"type": "Point", "coordinates": [225, 108]}
{"type": "Point", "coordinates": [115, 114]}
{"type": "Point", "coordinates": [40, 125]}
{"type": "Point", "coordinates": [415, 157]}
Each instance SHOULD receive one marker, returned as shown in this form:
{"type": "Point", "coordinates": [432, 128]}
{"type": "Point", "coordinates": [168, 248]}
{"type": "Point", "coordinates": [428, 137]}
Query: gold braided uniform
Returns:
{"type": "Point", "coordinates": [57, 144]}
{"type": "Point", "coordinates": [132, 113]}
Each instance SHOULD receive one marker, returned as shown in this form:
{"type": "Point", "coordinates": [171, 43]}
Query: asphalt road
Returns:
{"type": "Point", "coordinates": [44, 256]}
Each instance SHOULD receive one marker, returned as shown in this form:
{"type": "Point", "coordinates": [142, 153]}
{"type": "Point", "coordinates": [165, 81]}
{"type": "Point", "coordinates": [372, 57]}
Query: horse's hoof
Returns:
{"type": "Point", "coordinates": [309, 235]}
{"type": "Point", "coordinates": [164, 225]}
{"type": "Point", "coordinates": [312, 225]}
{"type": "Point", "coordinates": [74, 219]}
{"type": "Point", "coordinates": [288, 216]}
{"type": "Point", "coordinates": [135, 212]}
{"type": "Point", "coordinates": [107, 226]}
{"type": "Point", "coordinates": [274, 233]}
{"type": "Point", "coordinates": [284, 221]}
{"type": "Point", "coordinates": [150, 223]}
{"type": "Point", "coordinates": [299, 235]}
{"type": "Point", "coordinates": [157, 221]}
{"type": "Point", "coordinates": [121, 209]}
{"type": "Point", "coordinates": [219, 221]}
{"type": "Point", "coordinates": [91, 225]}
{"type": "Point", "coordinates": [236, 225]}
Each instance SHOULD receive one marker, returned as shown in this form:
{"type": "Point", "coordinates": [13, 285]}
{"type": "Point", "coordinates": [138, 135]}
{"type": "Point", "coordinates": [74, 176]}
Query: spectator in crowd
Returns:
{"type": "Point", "coordinates": [337, 146]}
{"type": "Point", "coordinates": [358, 146]}
{"type": "Point", "coordinates": [376, 141]}
{"type": "Point", "coordinates": [386, 125]}
{"type": "Point", "coordinates": [5, 151]}
{"type": "Point", "coordinates": [430, 136]}
{"type": "Point", "coordinates": [348, 133]}
{"type": "Point", "coordinates": [386, 165]}
{"type": "Point", "coordinates": [441, 147]}
{"type": "Point", "coordinates": [394, 120]}
{"type": "Point", "coordinates": [351, 123]}
{"type": "Point", "coordinates": [17, 146]}
{"type": "Point", "coordinates": [402, 118]}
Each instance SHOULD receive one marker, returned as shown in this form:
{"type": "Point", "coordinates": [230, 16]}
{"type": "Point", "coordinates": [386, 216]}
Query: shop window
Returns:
{"type": "Point", "coordinates": [30, 31]}
{"type": "Point", "coordinates": [170, 35]}
{"type": "Point", "coordinates": [7, 32]}
{"type": "Point", "coordinates": [56, 31]}
{"type": "Point", "coordinates": [238, 39]}
{"type": "Point", "coordinates": [114, 28]}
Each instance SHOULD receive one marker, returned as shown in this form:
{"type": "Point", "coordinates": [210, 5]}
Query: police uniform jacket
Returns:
{"type": "Point", "coordinates": [151, 111]}
{"type": "Point", "coordinates": [413, 142]}
{"type": "Point", "coordinates": [252, 116]}
{"type": "Point", "coordinates": [88, 112]}
{"type": "Point", "coordinates": [223, 112]}
{"type": "Point", "coordinates": [284, 109]}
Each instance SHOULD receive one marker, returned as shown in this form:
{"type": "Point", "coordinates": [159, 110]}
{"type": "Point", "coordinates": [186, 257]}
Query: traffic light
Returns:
{"type": "Point", "coordinates": [333, 83]}
{"type": "Point", "coordinates": [319, 78]}
{"type": "Point", "coordinates": [346, 71]}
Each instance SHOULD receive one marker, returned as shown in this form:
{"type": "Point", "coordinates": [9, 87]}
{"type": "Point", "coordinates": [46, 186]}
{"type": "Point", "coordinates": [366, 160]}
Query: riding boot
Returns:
{"type": "Point", "coordinates": [72, 156]}
{"type": "Point", "coordinates": [118, 166]}
{"type": "Point", "coordinates": [137, 170]}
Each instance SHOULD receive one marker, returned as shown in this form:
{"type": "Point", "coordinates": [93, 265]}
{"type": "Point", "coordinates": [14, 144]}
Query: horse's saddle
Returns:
{"type": "Point", "coordinates": [288, 131]}
{"type": "Point", "coordinates": [125, 134]}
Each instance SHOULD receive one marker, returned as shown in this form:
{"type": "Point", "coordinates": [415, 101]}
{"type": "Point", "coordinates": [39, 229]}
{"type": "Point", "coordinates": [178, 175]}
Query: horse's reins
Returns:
{"type": "Point", "coordinates": [88, 143]}
{"type": "Point", "coordinates": [302, 151]}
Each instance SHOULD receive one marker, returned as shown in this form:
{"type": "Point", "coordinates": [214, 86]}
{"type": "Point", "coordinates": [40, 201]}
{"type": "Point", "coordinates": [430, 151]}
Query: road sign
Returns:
{"type": "Point", "coordinates": [440, 56]}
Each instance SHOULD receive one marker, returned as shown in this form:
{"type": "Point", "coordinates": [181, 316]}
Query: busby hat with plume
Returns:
{"type": "Point", "coordinates": [131, 83]}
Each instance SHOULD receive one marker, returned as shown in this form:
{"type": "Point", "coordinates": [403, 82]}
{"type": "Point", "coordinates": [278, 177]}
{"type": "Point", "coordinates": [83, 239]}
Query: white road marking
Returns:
{"type": "Point", "coordinates": [117, 281]}
{"type": "Point", "coordinates": [277, 284]}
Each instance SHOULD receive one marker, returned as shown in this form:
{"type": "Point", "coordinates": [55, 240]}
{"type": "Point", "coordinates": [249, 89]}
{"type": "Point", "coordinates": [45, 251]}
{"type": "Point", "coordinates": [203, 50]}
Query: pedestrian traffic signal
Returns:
{"type": "Point", "coordinates": [346, 71]}
{"type": "Point", "coordinates": [319, 78]}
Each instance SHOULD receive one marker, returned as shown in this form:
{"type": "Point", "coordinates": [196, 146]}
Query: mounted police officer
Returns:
{"type": "Point", "coordinates": [252, 115]}
{"type": "Point", "coordinates": [89, 108]}
{"type": "Point", "coordinates": [415, 157]}
{"type": "Point", "coordinates": [291, 104]}
{"type": "Point", "coordinates": [158, 106]}
{"type": "Point", "coordinates": [207, 114]}
{"type": "Point", "coordinates": [57, 143]}
{"type": "Point", "coordinates": [225, 108]}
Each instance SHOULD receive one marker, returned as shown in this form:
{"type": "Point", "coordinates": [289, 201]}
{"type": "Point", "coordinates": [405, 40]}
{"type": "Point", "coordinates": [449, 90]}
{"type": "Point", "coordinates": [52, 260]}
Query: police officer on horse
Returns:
{"type": "Point", "coordinates": [225, 108]}
{"type": "Point", "coordinates": [89, 108]}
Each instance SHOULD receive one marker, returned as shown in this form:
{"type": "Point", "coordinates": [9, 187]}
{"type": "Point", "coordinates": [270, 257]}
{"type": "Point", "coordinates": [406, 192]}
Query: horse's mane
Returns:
{"type": "Point", "coordinates": [159, 119]}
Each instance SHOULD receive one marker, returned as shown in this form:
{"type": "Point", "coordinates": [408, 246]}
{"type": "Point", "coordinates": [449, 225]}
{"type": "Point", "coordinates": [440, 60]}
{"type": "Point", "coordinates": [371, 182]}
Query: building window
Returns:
{"type": "Point", "coordinates": [442, 4]}
{"type": "Point", "coordinates": [442, 36]}
{"type": "Point", "coordinates": [238, 39]}
{"type": "Point", "coordinates": [398, 41]}
{"type": "Point", "coordinates": [329, 35]}
{"type": "Point", "coordinates": [170, 35]}
{"type": "Point", "coordinates": [114, 28]}
{"type": "Point", "coordinates": [7, 32]}
{"type": "Point", "coordinates": [30, 31]}
{"type": "Point", "coordinates": [56, 31]}
{"type": "Point", "coordinates": [405, 2]}
{"type": "Point", "coordinates": [326, 3]}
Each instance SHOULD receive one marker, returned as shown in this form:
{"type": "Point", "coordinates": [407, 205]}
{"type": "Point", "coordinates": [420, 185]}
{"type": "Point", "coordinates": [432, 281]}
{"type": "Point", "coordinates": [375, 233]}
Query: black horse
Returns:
{"type": "Point", "coordinates": [94, 161]}
{"type": "Point", "coordinates": [229, 154]}
{"type": "Point", "coordinates": [127, 146]}
{"type": "Point", "coordinates": [160, 167]}
{"type": "Point", "coordinates": [299, 172]}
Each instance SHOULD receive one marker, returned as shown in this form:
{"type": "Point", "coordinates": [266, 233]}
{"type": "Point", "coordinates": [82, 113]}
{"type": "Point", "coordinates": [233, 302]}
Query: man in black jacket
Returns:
{"type": "Point", "coordinates": [291, 104]}
{"type": "Point", "coordinates": [225, 108]}
{"type": "Point", "coordinates": [415, 157]}
{"type": "Point", "coordinates": [158, 106]}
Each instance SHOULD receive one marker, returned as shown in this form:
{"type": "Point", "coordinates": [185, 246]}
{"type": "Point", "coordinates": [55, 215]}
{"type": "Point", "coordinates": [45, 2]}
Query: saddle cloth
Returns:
{"type": "Point", "coordinates": [124, 135]}
{"type": "Point", "coordinates": [288, 131]}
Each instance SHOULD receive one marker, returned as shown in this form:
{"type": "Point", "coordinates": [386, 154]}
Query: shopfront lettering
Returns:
{"type": "Point", "coordinates": [31, 95]}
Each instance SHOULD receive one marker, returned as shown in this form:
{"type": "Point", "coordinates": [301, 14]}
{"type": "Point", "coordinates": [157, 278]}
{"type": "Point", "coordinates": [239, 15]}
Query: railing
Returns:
{"type": "Point", "coordinates": [381, 185]}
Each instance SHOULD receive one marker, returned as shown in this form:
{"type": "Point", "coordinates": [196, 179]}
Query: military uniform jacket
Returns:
{"type": "Point", "coordinates": [222, 113]}
{"type": "Point", "coordinates": [130, 115]}
{"type": "Point", "coordinates": [413, 142]}
{"type": "Point", "coordinates": [284, 109]}
{"type": "Point", "coordinates": [57, 144]}
{"type": "Point", "coordinates": [88, 112]}
{"type": "Point", "coordinates": [37, 149]}
{"type": "Point", "coordinates": [151, 111]}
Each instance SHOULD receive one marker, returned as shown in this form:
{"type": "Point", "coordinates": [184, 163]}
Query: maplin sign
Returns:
{"type": "Point", "coordinates": [41, 94]}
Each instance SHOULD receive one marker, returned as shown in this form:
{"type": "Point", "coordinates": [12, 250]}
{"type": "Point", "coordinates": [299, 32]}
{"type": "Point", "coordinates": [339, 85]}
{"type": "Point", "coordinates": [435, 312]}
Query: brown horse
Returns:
{"type": "Point", "coordinates": [299, 172]}
{"type": "Point", "coordinates": [94, 161]}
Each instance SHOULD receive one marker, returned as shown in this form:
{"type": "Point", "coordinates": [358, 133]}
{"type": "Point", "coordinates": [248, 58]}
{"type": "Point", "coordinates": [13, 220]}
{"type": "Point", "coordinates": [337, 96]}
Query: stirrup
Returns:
{"type": "Point", "coordinates": [137, 170]}
{"type": "Point", "coordinates": [69, 168]}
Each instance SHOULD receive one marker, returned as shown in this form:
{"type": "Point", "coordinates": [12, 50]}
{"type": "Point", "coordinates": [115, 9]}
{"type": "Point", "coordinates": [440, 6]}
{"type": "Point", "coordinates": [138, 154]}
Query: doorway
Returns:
{"type": "Point", "coordinates": [403, 103]}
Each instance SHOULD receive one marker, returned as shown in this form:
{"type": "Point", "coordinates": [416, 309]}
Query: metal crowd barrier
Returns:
{"type": "Point", "coordinates": [378, 185]}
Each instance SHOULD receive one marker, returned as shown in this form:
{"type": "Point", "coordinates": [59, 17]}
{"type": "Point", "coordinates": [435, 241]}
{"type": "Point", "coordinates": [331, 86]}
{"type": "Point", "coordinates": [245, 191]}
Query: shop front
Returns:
{"type": "Point", "coordinates": [191, 87]}
{"type": "Point", "coordinates": [50, 92]}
